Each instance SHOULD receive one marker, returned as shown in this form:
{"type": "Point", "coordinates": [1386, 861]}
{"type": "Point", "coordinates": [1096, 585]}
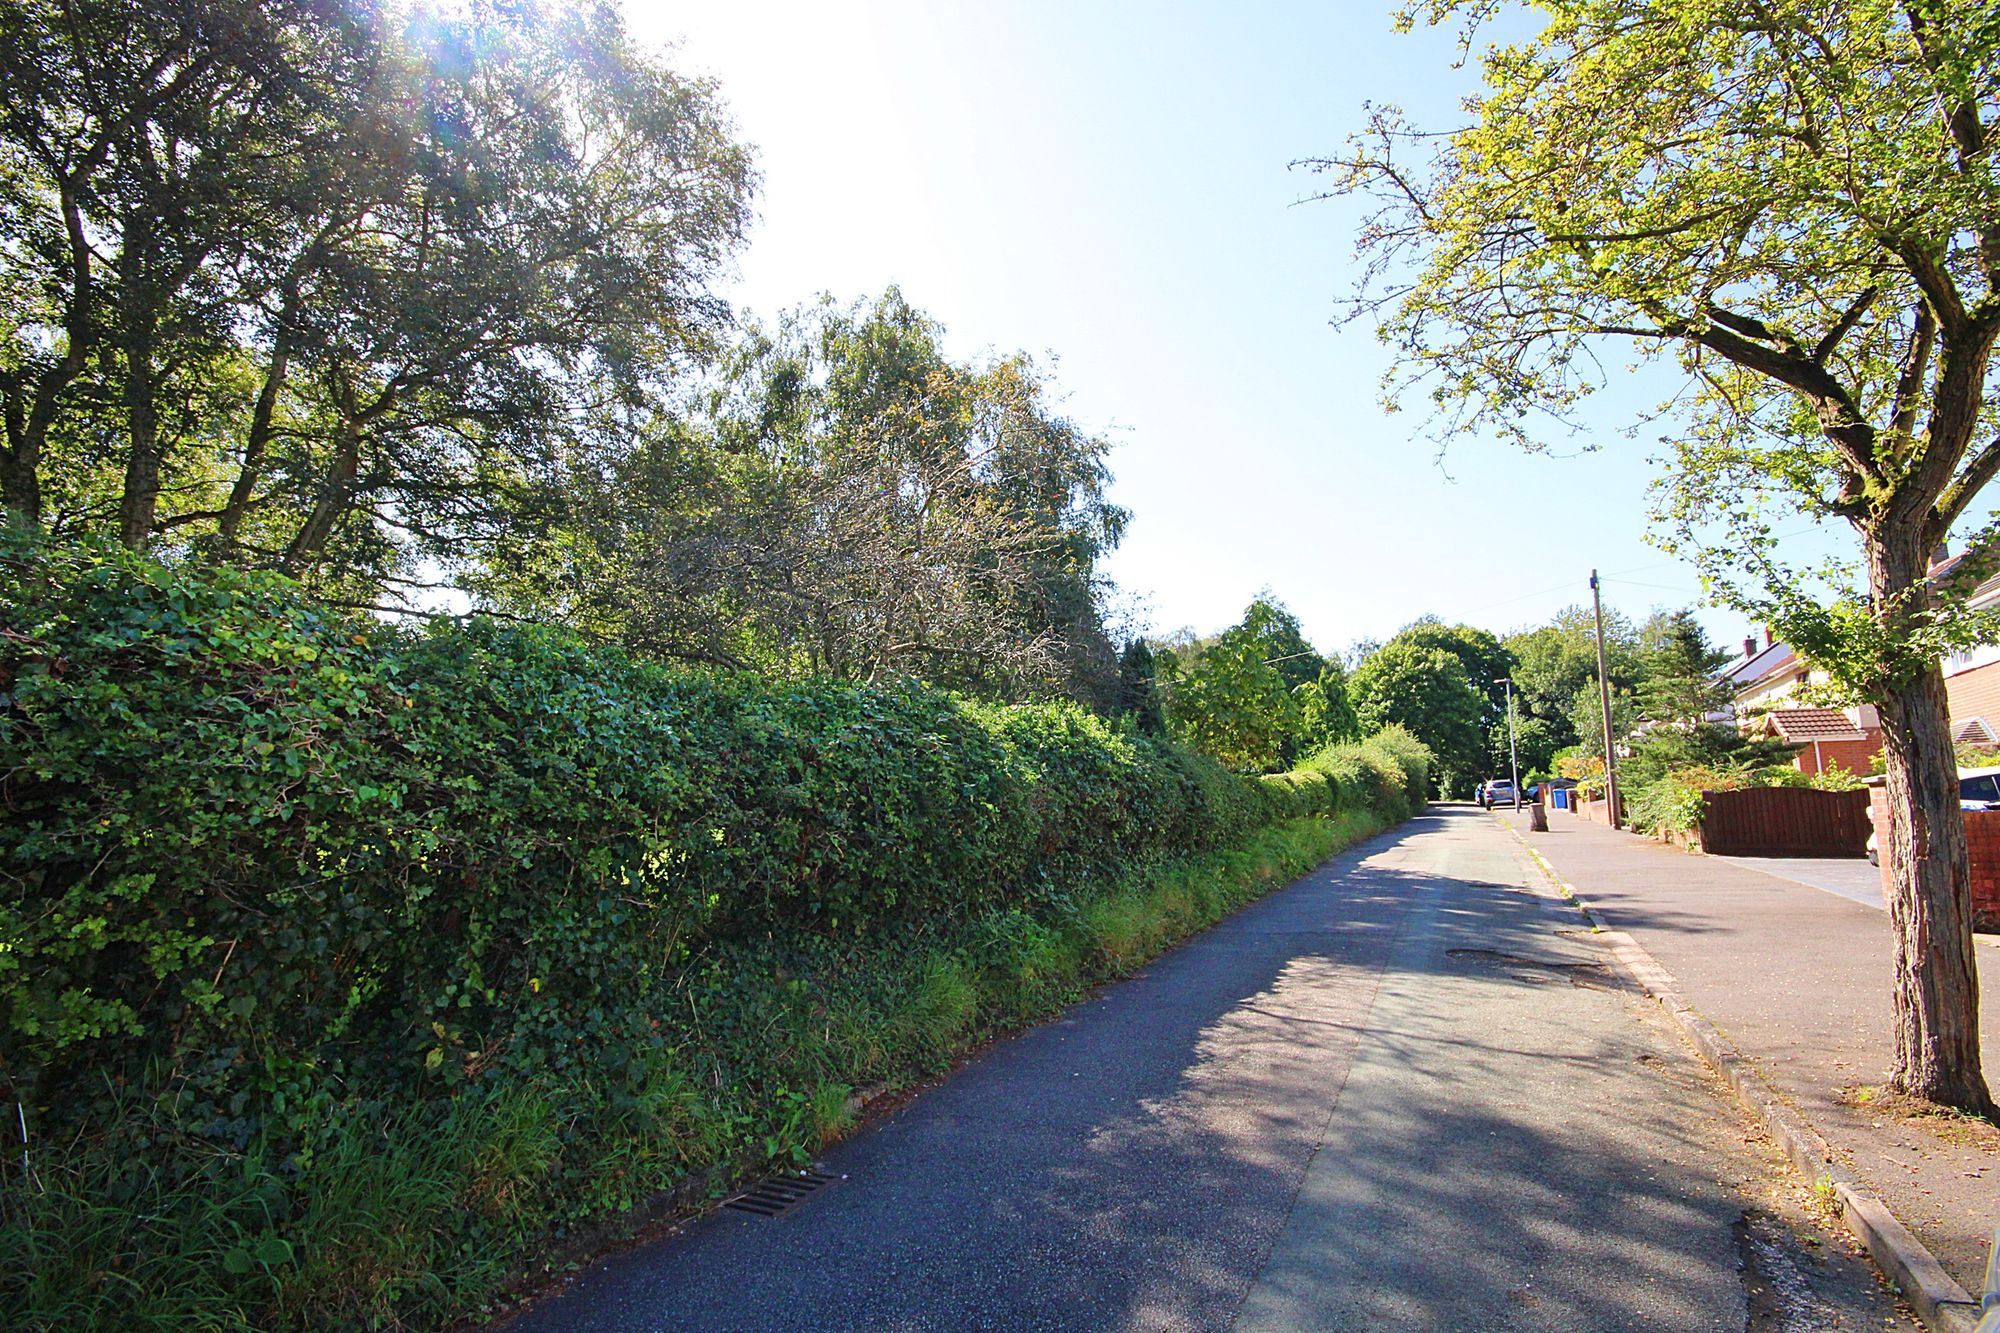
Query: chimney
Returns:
{"type": "Point", "coordinates": [1769, 638]}
{"type": "Point", "coordinates": [1942, 554]}
{"type": "Point", "coordinates": [1749, 648]}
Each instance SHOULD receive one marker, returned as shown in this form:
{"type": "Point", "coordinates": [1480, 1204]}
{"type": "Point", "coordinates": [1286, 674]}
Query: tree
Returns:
{"type": "Point", "coordinates": [1326, 713]}
{"type": "Point", "coordinates": [1681, 688]}
{"type": "Point", "coordinates": [1586, 720]}
{"type": "Point", "coordinates": [1253, 695]}
{"type": "Point", "coordinates": [1139, 690]}
{"type": "Point", "coordinates": [843, 499]}
{"type": "Point", "coordinates": [1278, 634]}
{"type": "Point", "coordinates": [1278, 631]}
{"type": "Point", "coordinates": [139, 145]}
{"type": "Point", "coordinates": [1486, 664]}
{"type": "Point", "coordinates": [1553, 664]}
{"type": "Point", "coordinates": [1687, 709]}
{"type": "Point", "coordinates": [1797, 206]}
{"type": "Point", "coordinates": [312, 284]}
{"type": "Point", "coordinates": [1425, 689]}
{"type": "Point", "coordinates": [1228, 702]}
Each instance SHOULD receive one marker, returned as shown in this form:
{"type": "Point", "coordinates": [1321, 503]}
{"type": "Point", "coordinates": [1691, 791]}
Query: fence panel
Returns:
{"type": "Point", "coordinates": [1784, 821]}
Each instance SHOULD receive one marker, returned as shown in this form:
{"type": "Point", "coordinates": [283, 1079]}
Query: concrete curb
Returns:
{"type": "Point", "coordinates": [1938, 1299]}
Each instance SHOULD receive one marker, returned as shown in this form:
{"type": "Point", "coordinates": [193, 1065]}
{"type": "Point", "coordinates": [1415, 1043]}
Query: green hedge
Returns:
{"type": "Point", "coordinates": [270, 871]}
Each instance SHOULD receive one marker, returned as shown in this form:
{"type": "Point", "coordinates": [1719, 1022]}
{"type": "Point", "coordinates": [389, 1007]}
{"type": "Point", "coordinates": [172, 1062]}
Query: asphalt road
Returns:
{"type": "Point", "coordinates": [1404, 1092]}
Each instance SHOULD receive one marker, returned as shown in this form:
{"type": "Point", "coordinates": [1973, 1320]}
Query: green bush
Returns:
{"type": "Point", "coordinates": [1389, 772]}
{"type": "Point", "coordinates": [491, 930]}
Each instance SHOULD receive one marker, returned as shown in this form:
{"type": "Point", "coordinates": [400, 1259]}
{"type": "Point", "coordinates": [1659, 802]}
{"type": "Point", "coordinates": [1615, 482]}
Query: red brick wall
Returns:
{"type": "Point", "coordinates": [1982, 843]}
{"type": "Point", "coordinates": [1596, 811]}
{"type": "Point", "coordinates": [1974, 693]}
{"type": "Point", "coordinates": [1854, 756]}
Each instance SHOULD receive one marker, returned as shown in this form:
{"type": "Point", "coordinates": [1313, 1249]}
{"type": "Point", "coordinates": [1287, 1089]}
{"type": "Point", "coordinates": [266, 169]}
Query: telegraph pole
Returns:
{"type": "Point", "coordinates": [1604, 702]}
{"type": "Point", "coordinates": [1513, 755]}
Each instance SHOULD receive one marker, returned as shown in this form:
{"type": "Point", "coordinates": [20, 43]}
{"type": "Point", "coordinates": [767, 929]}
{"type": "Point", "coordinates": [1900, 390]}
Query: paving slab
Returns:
{"type": "Point", "coordinates": [1798, 980]}
{"type": "Point", "coordinates": [1854, 878]}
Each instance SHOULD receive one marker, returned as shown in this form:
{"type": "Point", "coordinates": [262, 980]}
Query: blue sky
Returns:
{"type": "Point", "coordinates": [1106, 185]}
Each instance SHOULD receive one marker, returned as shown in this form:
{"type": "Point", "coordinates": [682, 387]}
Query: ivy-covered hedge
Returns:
{"type": "Point", "coordinates": [270, 871]}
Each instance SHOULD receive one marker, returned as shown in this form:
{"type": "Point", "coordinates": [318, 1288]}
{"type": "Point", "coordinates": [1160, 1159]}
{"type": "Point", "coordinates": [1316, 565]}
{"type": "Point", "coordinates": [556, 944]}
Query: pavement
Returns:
{"type": "Point", "coordinates": [1407, 1091]}
{"type": "Point", "coordinates": [1791, 962]}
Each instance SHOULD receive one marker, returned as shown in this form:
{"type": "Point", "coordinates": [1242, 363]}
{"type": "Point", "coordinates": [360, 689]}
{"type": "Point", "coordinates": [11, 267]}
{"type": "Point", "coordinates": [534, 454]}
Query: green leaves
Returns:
{"type": "Point", "coordinates": [1796, 216]}
{"type": "Point", "coordinates": [250, 831]}
{"type": "Point", "coordinates": [266, 1253]}
{"type": "Point", "coordinates": [530, 931]}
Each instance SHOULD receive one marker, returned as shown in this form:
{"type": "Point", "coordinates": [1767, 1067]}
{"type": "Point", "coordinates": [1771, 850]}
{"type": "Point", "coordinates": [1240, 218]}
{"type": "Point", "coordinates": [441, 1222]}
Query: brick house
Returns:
{"type": "Point", "coordinates": [1824, 737]}
{"type": "Point", "coordinates": [1972, 678]}
{"type": "Point", "coordinates": [1767, 681]}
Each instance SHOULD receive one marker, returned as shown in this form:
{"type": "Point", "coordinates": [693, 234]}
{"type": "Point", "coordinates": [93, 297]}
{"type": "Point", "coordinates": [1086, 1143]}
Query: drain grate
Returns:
{"type": "Point", "coordinates": [779, 1194]}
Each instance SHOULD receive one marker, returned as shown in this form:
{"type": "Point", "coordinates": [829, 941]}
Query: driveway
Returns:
{"type": "Point", "coordinates": [1852, 877]}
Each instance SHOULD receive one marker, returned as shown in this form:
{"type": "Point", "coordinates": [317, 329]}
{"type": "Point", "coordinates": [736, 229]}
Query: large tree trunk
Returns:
{"type": "Point", "coordinates": [1930, 908]}
{"type": "Point", "coordinates": [29, 416]}
{"type": "Point", "coordinates": [139, 315]}
{"type": "Point", "coordinates": [334, 498]}
{"type": "Point", "coordinates": [139, 507]}
{"type": "Point", "coordinates": [20, 468]}
{"type": "Point", "coordinates": [259, 442]}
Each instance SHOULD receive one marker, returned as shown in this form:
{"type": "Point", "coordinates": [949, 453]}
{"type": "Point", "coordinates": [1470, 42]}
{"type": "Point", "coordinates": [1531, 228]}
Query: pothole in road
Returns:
{"type": "Point", "coordinates": [1538, 970]}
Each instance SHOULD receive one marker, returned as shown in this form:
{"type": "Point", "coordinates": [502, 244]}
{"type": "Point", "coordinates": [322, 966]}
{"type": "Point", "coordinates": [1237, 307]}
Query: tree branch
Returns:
{"type": "Point", "coordinates": [1845, 325]}
{"type": "Point", "coordinates": [1985, 465]}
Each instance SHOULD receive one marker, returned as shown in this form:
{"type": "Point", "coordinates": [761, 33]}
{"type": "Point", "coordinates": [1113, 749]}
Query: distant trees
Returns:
{"type": "Point", "coordinates": [1227, 701]}
{"type": "Point", "coordinates": [1413, 682]}
{"type": "Point", "coordinates": [1326, 708]}
{"type": "Point", "coordinates": [1554, 666]}
{"type": "Point", "coordinates": [1139, 690]}
{"type": "Point", "coordinates": [1258, 696]}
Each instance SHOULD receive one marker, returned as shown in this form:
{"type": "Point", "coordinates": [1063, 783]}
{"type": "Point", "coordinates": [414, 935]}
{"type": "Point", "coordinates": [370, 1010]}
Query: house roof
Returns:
{"type": "Point", "coordinates": [1747, 671]}
{"type": "Point", "coordinates": [1803, 726]}
{"type": "Point", "coordinates": [1982, 594]}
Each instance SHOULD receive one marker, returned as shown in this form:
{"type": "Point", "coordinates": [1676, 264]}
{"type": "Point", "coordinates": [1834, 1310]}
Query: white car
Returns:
{"type": "Point", "coordinates": [1978, 789]}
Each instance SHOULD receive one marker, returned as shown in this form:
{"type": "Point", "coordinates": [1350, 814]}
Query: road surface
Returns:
{"type": "Point", "coordinates": [1405, 1092]}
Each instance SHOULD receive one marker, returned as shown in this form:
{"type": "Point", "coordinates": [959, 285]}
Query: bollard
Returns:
{"type": "Point", "coordinates": [1538, 818]}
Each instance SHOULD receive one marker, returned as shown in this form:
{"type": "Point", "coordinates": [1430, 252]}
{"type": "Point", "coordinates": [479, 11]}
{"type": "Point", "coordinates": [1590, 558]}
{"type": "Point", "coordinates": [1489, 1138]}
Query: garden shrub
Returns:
{"type": "Point", "coordinates": [291, 898]}
{"type": "Point", "coordinates": [1672, 804]}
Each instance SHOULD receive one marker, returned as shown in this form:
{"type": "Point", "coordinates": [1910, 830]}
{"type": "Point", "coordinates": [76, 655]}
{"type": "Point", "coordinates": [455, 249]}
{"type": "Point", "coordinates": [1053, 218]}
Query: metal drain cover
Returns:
{"type": "Point", "coordinates": [779, 1194]}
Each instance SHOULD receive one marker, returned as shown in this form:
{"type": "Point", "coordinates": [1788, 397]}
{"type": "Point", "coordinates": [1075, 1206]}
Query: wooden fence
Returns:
{"type": "Point", "coordinates": [1784, 821]}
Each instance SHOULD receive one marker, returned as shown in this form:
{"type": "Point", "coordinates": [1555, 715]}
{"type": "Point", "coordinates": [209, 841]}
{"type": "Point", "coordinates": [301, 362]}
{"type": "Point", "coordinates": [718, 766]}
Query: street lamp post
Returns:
{"type": "Point", "coordinates": [1513, 755]}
